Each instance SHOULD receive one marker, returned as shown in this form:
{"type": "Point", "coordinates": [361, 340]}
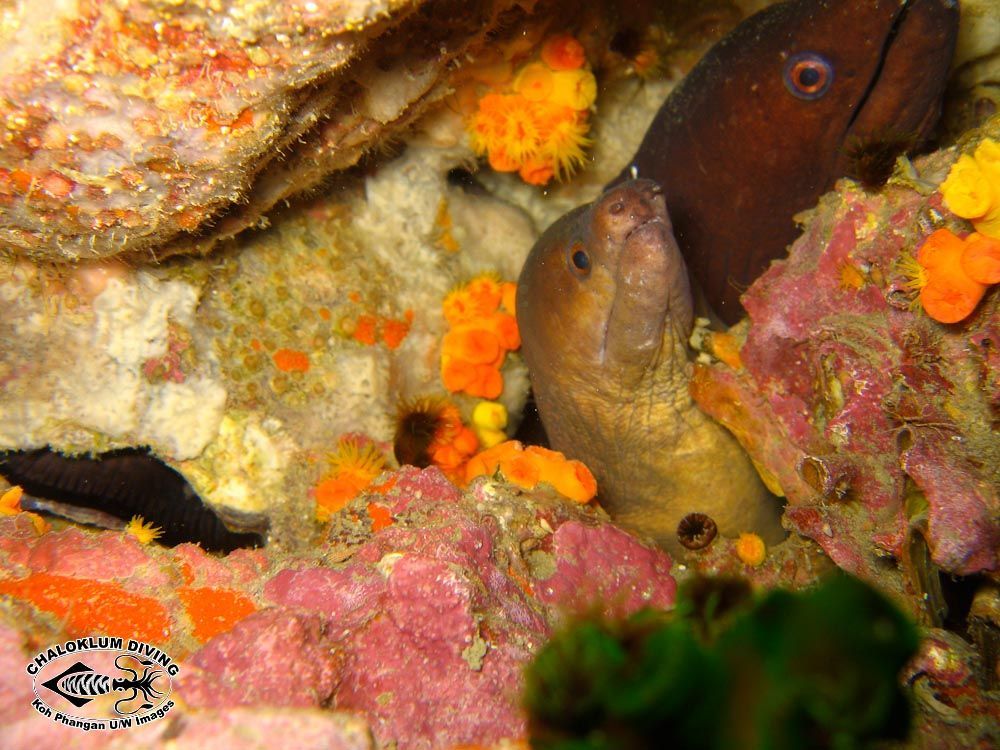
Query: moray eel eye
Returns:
{"type": "Point", "coordinates": [808, 75]}
{"type": "Point", "coordinates": [579, 259]}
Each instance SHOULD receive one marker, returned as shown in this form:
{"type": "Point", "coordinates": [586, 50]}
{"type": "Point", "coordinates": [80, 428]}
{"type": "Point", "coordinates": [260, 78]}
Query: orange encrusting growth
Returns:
{"type": "Point", "coordinates": [751, 550]}
{"type": "Point", "coordinates": [536, 124]}
{"type": "Point", "coordinates": [213, 611]}
{"type": "Point", "coordinates": [482, 331]}
{"type": "Point", "coordinates": [527, 467]}
{"type": "Point", "coordinates": [380, 516]}
{"type": "Point", "coordinates": [953, 273]}
{"type": "Point", "coordinates": [291, 360]}
{"type": "Point", "coordinates": [353, 466]}
{"type": "Point", "coordinates": [370, 329]}
{"type": "Point", "coordinates": [93, 607]}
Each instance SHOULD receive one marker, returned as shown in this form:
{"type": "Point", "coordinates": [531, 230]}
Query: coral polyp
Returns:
{"type": "Point", "coordinates": [536, 124]}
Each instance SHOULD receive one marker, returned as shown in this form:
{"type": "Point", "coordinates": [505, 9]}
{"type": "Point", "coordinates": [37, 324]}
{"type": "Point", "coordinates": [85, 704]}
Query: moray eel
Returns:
{"type": "Point", "coordinates": [109, 489]}
{"type": "Point", "coordinates": [757, 131]}
{"type": "Point", "coordinates": [604, 308]}
{"type": "Point", "coordinates": [778, 110]}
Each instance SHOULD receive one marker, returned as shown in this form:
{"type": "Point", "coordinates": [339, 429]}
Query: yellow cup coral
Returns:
{"type": "Point", "coordinates": [489, 419]}
{"type": "Point", "coordinates": [527, 467]}
{"type": "Point", "coordinates": [972, 188]}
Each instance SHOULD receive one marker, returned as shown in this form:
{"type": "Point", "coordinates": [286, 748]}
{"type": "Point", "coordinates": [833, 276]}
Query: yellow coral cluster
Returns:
{"type": "Point", "coordinates": [482, 330]}
{"type": "Point", "coordinates": [535, 122]}
{"type": "Point", "coordinates": [528, 467]}
{"type": "Point", "coordinates": [353, 466]}
{"type": "Point", "coordinates": [972, 188]}
{"type": "Point", "coordinates": [489, 420]}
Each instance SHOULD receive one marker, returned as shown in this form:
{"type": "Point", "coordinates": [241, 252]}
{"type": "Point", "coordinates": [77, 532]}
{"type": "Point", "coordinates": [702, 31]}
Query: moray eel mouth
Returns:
{"type": "Point", "coordinates": [884, 103]}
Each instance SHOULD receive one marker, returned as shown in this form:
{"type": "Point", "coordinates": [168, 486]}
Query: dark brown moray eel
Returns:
{"type": "Point", "coordinates": [768, 119]}
{"type": "Point", "coordinates": [755, 133]}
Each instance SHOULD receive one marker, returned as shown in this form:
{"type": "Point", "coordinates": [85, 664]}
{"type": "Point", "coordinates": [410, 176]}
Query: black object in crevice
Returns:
{"type": "Point", "coordinates": [125, 483]}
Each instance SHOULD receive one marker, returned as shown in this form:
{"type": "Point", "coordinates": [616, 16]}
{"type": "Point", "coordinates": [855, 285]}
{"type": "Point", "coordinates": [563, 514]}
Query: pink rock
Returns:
{"type": "Point", "coordinates": [849, 395]}
{"type": "Point", "coordinates": [641, 577]}
{"type": "Point", "coordinates": [275, 657]}
{"type": "Point", "coordinates": [422, 628]}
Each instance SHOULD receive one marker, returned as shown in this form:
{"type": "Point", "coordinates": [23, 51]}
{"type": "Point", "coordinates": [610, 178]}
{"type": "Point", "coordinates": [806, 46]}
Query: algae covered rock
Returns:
{"type": "Point", "coordinates": [875, 421]}
{"type": "Point", "coordinates": [416, 614]}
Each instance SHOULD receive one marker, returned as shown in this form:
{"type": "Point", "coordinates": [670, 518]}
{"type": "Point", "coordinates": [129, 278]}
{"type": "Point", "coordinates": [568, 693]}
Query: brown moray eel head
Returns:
{"type": "Point", "coordinates": [604, 309]}
{"type": "Point", "coordinates": [767, 120]}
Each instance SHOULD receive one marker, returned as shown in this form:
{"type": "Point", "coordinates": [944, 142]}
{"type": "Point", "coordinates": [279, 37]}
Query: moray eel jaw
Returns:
{"type": "Point", "coordinates": [899, 97]}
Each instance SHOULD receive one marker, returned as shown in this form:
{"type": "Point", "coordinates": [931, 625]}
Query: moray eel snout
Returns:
{"type": "Point", "coordinates": [604, 308]}
{"type": "Point", "coordinates": [620, 281]}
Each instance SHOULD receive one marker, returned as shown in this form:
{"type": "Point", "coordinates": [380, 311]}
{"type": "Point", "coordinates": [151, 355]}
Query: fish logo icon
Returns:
{"type": "Point", "coordinates": [79, 684]}
{"type": "Point", "coordinates": [103, 683]}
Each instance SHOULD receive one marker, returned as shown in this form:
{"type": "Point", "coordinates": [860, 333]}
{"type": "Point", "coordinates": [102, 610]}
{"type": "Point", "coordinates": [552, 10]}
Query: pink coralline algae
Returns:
{"type": "Point", "coordinates": [419, 630]}
{"type": "Point", "coordinates": [876, 422]}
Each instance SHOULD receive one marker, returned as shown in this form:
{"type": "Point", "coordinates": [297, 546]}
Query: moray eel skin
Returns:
{"type": "Point", "coordinates": [119, 485]}
{"type": "Point", "coordinates": [769, 118]}
{"type": "Point", "coordinates": [604, 308]}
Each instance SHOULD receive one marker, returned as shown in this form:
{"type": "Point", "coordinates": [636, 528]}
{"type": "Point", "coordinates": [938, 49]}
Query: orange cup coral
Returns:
{"type": "Point", "coordinates": [536, 124]}
{"type": "Point", "coordinates": [953, 273]}
{"type": "Point", "coordinates": [483, 330]}
{"type": "Point", "coordinates": [353, 466]}
{"type": "Point", "coordinates": [527, 467]}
